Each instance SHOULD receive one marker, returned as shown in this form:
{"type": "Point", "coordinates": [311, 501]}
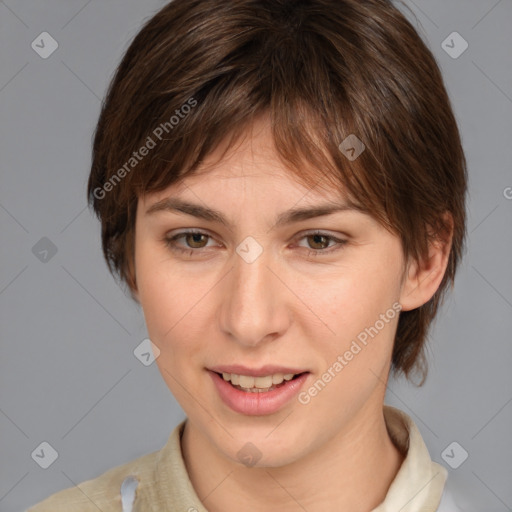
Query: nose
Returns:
{"type": "Point", "coordinates": [254, 306]}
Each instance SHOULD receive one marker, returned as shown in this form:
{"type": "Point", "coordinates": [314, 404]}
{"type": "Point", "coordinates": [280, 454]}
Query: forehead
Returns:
{"type": "Point", "coordinates": [252, 162]}
{"type": "Point", "coordinates": [263, 188]}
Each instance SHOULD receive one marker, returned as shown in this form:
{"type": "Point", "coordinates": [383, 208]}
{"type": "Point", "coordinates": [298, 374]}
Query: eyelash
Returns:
{"type": "Point", "coordinates": [170, 242]}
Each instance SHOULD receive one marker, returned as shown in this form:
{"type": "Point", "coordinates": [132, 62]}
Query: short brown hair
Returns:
{"type": "Point", "coordinates": [322, 70]}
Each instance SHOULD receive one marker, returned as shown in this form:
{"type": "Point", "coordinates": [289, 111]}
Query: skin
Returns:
{"type": "Point", "coordinates": [288, 308]}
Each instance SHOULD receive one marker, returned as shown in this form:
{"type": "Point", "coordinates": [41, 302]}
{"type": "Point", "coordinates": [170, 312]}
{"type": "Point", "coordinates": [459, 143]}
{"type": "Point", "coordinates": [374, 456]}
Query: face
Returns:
{"type": "Point", "coordinates": [314, 296]}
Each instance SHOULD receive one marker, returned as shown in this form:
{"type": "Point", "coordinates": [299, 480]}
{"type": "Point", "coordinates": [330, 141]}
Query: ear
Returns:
{"type": "Point", "coordinates": [134, 291]}
{"type": "Point", "coordinates": [132, 281]}
{"type": "Point", "coordinates": [424, 277]}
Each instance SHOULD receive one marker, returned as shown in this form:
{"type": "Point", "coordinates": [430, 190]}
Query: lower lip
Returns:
{"type": "Point", "coordinates": [257, 404]}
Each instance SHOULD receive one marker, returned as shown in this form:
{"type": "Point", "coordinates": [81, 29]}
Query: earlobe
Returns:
{"type": "Point", "coordinates": [133, 289]}
{"type": "Point", "coordinates": [134, 292]}
{"type": "Point", "coordinates": [423, 278]}
{"type": "Point", "coordinates": [132, 282]}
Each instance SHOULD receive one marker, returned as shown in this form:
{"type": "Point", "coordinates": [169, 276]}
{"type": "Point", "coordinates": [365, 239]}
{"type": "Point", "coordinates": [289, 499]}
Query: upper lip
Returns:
{"type": "Point", "coordinates": [263, 371]}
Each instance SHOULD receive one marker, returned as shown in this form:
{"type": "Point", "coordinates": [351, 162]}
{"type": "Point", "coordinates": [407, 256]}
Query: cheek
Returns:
{"type": "Point", "coordinates": [167, 316]}
{"type": "Point", "coordinates": [358, 321]}
{"type": "Point", "coordinates": [352, 298]}
{"type": "Point", "coordinates": [160, 293]}
{"type": "Point", "coordinates": [356, 358]}
{"type": "Point", "coordinates": [173, 305]}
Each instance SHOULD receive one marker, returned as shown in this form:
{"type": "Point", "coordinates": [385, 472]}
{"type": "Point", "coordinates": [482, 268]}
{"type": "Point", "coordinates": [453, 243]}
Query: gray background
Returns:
{"type": "Point", "coordinates": [68, 373]}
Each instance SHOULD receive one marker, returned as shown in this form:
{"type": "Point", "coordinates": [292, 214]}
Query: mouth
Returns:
{"type": "Point", "coordinates": [257, 395]}
{"type": "Point", "coordinates": [262, 384]}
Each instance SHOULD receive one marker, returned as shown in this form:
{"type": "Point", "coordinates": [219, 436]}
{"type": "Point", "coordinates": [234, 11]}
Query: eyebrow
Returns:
{"type": "Point", "coordinates": [173, 204]}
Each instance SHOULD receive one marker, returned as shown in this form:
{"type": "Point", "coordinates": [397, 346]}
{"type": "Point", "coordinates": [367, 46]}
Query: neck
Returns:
{"type": "Point", "coordinates": [352, 471]}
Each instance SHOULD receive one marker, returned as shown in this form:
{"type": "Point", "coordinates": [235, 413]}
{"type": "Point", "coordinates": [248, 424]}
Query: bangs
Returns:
{"type": "Point", "coordinates": [313, 128]}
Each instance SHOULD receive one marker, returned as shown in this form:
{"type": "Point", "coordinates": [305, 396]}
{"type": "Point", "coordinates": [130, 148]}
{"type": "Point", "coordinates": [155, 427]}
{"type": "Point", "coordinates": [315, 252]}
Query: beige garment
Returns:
{"type": "Point", "coordinates": [164, 485]}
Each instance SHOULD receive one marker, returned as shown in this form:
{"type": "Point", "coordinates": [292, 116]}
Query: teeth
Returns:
{"type": "Point", "coordinates": [243, 381]}
{"type": "Point", "coordinates": [277, 378]}
{"type": "Point", "coordinates": [250, 383]}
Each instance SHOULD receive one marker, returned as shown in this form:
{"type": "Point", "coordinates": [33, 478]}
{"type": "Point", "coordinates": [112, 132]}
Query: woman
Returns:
{"type": "Point", "coordinates": [281, 185]}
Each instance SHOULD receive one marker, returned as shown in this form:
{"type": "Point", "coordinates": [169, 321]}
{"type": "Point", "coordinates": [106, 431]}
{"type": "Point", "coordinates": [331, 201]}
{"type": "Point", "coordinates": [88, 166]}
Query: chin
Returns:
{"type": "Point", "coordinates": [259, 451]}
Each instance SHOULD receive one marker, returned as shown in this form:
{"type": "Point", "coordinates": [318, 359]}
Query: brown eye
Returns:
{"type": "Point", "coordinates": [319, 241]}
{"type": "Point", "coordinates": [194, 241]}
{"type": "Point", "coordinates": [195, 238]}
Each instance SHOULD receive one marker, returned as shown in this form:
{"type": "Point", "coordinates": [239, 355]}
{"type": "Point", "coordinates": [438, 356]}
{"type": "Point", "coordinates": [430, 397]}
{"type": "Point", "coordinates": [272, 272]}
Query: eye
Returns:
{"type": "Point", "coordinates": [319, 238]}
{"type": "Point", "coordinates": [192, 237]}
{"type": "Point", "coordinates": [196, 240]}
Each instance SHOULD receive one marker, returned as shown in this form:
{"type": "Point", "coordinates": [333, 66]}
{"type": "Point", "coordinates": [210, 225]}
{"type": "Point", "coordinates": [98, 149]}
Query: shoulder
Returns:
{"type": "Point", "coordinates": [100, 493]}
